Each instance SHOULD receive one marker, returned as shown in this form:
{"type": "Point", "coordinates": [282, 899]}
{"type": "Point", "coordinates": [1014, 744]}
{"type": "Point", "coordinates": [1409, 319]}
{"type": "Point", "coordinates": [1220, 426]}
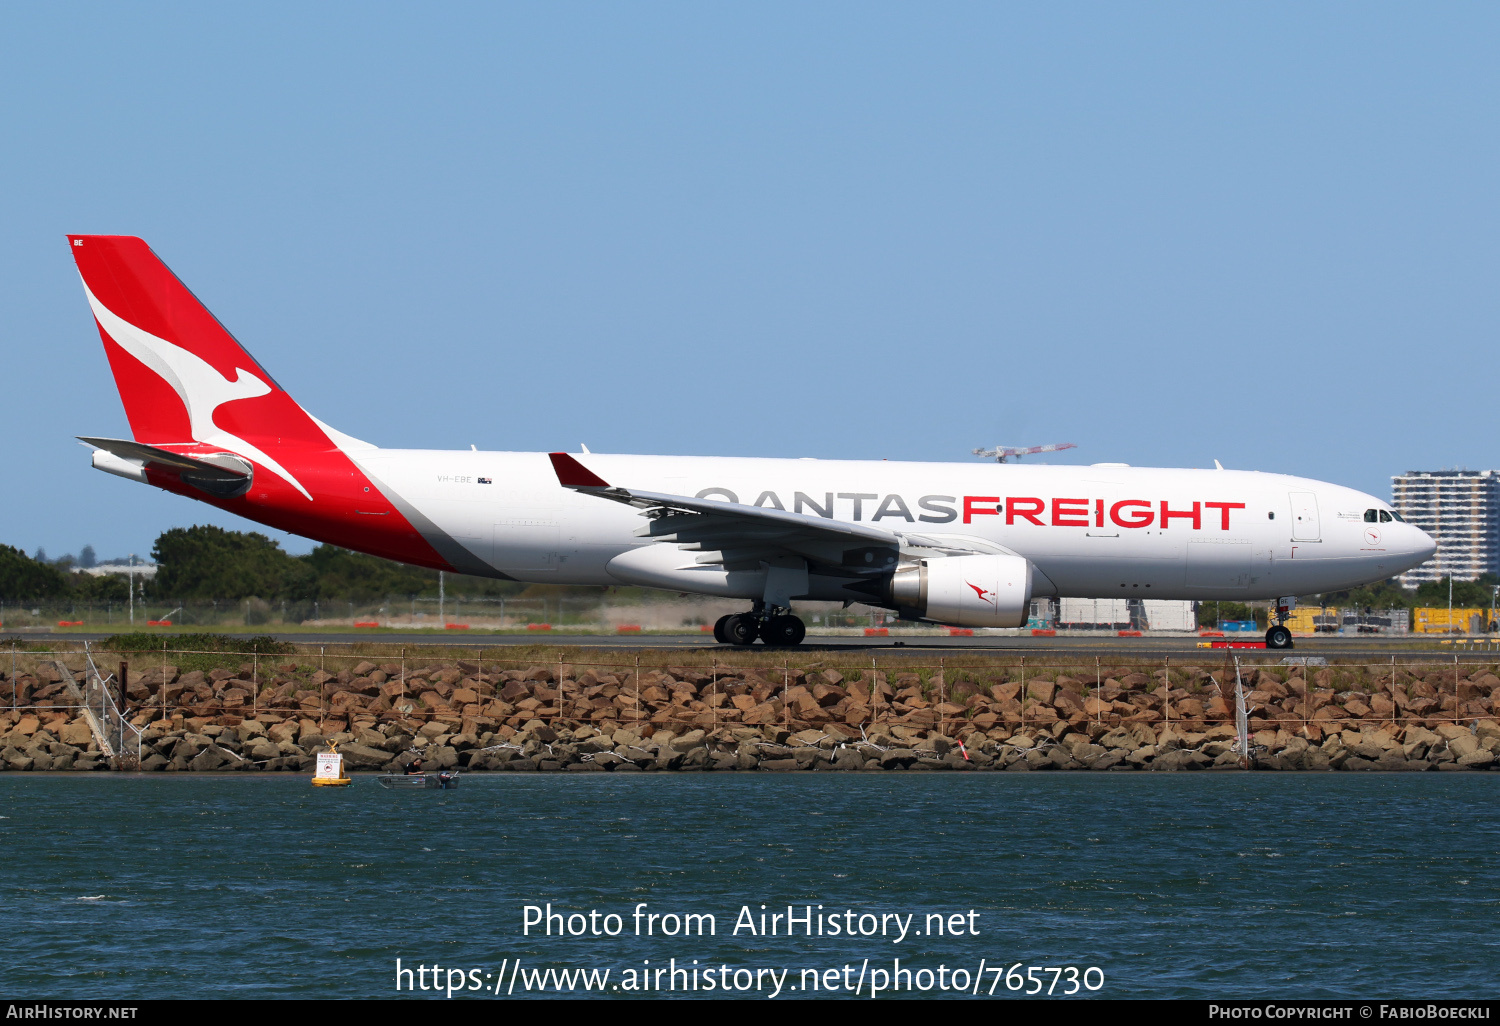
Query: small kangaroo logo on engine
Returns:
{"type": "Point", "coordinates": [983, 593]}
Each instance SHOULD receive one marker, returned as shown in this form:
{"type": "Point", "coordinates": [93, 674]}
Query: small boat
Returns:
{"type": "Point", "coordinates": [443, 780]}
{"type": "Point", "coordinates": [330, 771]}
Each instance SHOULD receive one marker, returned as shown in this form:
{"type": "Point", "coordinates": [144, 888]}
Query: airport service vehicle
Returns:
{"type": "Point", "coordinates": [959, 544]}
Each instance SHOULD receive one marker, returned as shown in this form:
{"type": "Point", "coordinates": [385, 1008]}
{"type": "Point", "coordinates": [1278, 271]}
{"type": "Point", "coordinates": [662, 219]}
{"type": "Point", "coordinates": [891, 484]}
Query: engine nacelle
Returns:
{"type": "Point", "coordinates": [966, 591]}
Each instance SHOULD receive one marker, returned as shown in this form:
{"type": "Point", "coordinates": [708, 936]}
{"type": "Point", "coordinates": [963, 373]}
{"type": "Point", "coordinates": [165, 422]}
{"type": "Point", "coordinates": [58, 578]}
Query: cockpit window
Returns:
{"type": "Point", "coordinates": [1398, 518]}
{"type": "Point", "coordinates": [1370, 516]}
{"type": "Point", "coordinates": [1385, 518]}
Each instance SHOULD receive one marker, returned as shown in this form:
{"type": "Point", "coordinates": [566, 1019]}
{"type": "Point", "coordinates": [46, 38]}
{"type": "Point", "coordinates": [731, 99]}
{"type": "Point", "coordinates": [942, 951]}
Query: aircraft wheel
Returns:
{"type": "Point", "coordinates": [741, 629]}
{"type": "Point", "coordinates": [719, 635]}
{"type": "Point", "coordinates": [783, 631]}
{"type": "Point", "coordinates": [1278, 637]}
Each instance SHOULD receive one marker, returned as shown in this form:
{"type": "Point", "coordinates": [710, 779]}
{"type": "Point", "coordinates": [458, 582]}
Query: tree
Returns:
{"type": "Point", "coordinates": [1466, 594]}
{"type": "Point", "coordinates": [101, 588]}
{"type": "Point", "coordinates": [86, 557]}
{"type": "Point", "coordinates": [334, 573]}
{"type": "Point", "coordinates": [26, 579]}
{"type": "Point", "coordinates": [1211, 613]}
{"type": "Point", "coordinates": [206, 562]}
{"type": "Point", "coordinates": [1380, 595]}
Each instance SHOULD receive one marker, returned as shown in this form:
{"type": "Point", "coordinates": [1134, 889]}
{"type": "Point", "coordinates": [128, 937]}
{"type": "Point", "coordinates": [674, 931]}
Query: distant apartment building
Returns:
{"type": "Point", "coordinates": [1461, 510]}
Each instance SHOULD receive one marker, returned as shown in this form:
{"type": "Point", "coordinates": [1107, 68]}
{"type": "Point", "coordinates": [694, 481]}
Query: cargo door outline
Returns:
{"type": "Point", "coordinates": [526, 540]}
{"type": "Point", "coordinates": [1305, 517]}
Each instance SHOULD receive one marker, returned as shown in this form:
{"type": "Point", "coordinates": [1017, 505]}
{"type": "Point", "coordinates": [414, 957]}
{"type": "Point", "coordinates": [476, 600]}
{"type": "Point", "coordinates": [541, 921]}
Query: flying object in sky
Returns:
{"type": "Point", "coordinates": [1002, 453]}
{"type": "Point", "coordinates": [950, 543]}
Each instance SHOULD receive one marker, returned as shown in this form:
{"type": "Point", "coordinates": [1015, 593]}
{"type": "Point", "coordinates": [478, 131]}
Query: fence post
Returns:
{"type": "Point", "coordinates": [1023, 692]}
{"type": "Point", "coordinates": [124, 677]}
{"type": "Point", "coordinates": [942, 689]}
{"type": "Point", "coordinates": [1166, 693]}
{"type": "Point", "coordinates": [1393, 691]}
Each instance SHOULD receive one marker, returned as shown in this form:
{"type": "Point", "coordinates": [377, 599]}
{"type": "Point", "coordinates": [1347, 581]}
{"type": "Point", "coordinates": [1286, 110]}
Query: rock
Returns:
{"type": "Point", "coordinates": [1059, 757]}
{"type": "Point", "coordinates": [1463, 745]}
{"type": "Point", "coordinates": [1477, 759]}
{"type": "Point", "coordinates": [897, 758]}
{"type": "Point", "coordinates": [779, 764]}
{"type": "Point", "coordinates": [366, 756]}
{"type": "Point", "coordinates": [1087, 754]}
{"type": "Point", "coordinates": [692, 739]}
{"type": "Point", "coordinates": [209, 760]}
{"type": "Point", "coordinates": [263, 751]}
{"type": "Point", "coordinates": [848, 759]}
{"type": "Point", "coordinates": [75, 732]}
{"type": "Point", "coordinates": [936, 744]}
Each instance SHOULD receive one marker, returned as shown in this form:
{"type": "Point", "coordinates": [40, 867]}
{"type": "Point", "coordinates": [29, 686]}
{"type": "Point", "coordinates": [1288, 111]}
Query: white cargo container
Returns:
{"type": "Point", "coordinates": [1094, 614]}
{"type": "Point", "coordinates": [1170, 615]}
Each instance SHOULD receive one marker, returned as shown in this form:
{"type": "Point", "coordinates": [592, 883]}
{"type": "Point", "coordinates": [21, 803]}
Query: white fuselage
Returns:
{"type": "Point", "coordinates": [1091, 531]}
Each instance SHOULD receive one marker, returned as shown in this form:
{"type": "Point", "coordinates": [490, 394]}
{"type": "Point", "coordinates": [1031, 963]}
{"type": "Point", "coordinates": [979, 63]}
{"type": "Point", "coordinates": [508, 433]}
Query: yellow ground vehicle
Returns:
{"type": "Point", "coordinates": [1463, 621]}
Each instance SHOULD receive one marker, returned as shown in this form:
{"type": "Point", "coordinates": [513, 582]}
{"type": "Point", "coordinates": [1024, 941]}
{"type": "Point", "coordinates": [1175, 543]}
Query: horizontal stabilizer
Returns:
{"type": "Point", "coordinates": [222, 474]}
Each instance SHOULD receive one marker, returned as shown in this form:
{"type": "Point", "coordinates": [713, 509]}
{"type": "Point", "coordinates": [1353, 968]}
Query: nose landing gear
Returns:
{"type": "Point", "coordinates": [775, 626]}
{"type": "Point", "coordinates": [1278, 636]}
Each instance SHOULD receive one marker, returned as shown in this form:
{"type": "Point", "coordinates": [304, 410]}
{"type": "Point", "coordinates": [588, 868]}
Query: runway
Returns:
{"type": "Point", "coordinates": [1148, 647]}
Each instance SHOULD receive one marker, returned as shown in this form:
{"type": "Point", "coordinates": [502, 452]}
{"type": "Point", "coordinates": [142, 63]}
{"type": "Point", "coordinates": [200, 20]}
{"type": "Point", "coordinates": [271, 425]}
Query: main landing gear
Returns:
{"type": "Point", "coordinates": [1278, 636]}
{"type": "Point", "coordinates": [776, 627]}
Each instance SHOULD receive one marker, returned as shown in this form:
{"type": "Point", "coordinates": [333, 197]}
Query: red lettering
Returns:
{"type": "Point", "coordinates": [1065, 512]}
{"type": "Point", "coordinates": [1224, 508]}
{"type": "Point", "coordinates": [1028, 511]}
{"type": "Point", "coordinates": [973, 509]}
{"type": "Point", "coordinates": [1196, 516]}
{"type": "Point", "coordinates": [1142, 519]}
{"type": "Point", "coordinates": [1098, 512]}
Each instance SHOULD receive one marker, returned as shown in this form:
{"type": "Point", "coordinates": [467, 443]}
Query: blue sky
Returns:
{"type": "Point", "coordinates": [1263, 233]}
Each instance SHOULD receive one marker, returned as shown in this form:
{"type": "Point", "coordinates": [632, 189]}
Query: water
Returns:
{"type": "Point", "coordinates": [1188, 885]}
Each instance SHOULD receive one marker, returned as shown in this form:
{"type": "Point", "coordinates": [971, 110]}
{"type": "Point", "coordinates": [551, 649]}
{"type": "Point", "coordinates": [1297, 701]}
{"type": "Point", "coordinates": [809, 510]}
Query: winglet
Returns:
{"type": "Point", "coordinates": [572, 474]}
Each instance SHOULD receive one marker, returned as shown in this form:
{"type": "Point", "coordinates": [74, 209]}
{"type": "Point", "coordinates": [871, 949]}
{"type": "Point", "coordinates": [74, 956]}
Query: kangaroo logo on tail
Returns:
{"type": "Point", "coordinates": [202, 388]}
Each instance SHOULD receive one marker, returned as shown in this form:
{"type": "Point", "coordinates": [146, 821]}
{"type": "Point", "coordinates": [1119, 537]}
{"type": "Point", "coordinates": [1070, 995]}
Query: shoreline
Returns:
{"type": "Point", "coordinates": [566, 718]}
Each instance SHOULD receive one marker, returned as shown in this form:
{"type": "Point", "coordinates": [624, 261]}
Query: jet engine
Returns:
{"type": "Point", "coordinates": [965, 591]}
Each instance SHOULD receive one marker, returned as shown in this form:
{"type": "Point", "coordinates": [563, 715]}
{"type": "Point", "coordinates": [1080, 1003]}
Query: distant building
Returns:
{"type": "Point", "coordinates": [123, 569]}
{"type": "Point", "coordinates": [1461, 510]}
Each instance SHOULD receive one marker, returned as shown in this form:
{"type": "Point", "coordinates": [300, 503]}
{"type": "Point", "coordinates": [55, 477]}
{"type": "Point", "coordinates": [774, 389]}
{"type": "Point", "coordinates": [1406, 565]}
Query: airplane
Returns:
{"type": "Point", "coordinates": [1002, 453]}
{"type": "Point", "coordinates": [967, 545]}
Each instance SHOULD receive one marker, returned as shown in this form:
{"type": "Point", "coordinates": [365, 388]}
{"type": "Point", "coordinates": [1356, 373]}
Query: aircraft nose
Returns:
{"type": "Point", "coordinates": [1424, 545]}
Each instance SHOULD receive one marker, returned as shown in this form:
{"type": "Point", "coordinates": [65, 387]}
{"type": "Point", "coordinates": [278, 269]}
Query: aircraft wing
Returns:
{"type": "Point", "coordinates": [742, 537]}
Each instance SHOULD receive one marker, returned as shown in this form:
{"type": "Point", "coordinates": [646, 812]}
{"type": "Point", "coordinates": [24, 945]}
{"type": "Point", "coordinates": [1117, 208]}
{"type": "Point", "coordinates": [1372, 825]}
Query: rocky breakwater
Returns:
{"type": "Point", "coordinates": [587, 719]}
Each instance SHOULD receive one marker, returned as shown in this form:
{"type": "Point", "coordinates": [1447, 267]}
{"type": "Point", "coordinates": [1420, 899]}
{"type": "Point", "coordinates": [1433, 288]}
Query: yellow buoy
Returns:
{"type": "Point", "coordinates": [330, 770]}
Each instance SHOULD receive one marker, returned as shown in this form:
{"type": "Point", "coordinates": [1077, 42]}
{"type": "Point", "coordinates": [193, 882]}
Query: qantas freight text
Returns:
{"type": "Point", "coordinates": [1023, 509]}
{"type": "Point", "coordinates": [961, 544]}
